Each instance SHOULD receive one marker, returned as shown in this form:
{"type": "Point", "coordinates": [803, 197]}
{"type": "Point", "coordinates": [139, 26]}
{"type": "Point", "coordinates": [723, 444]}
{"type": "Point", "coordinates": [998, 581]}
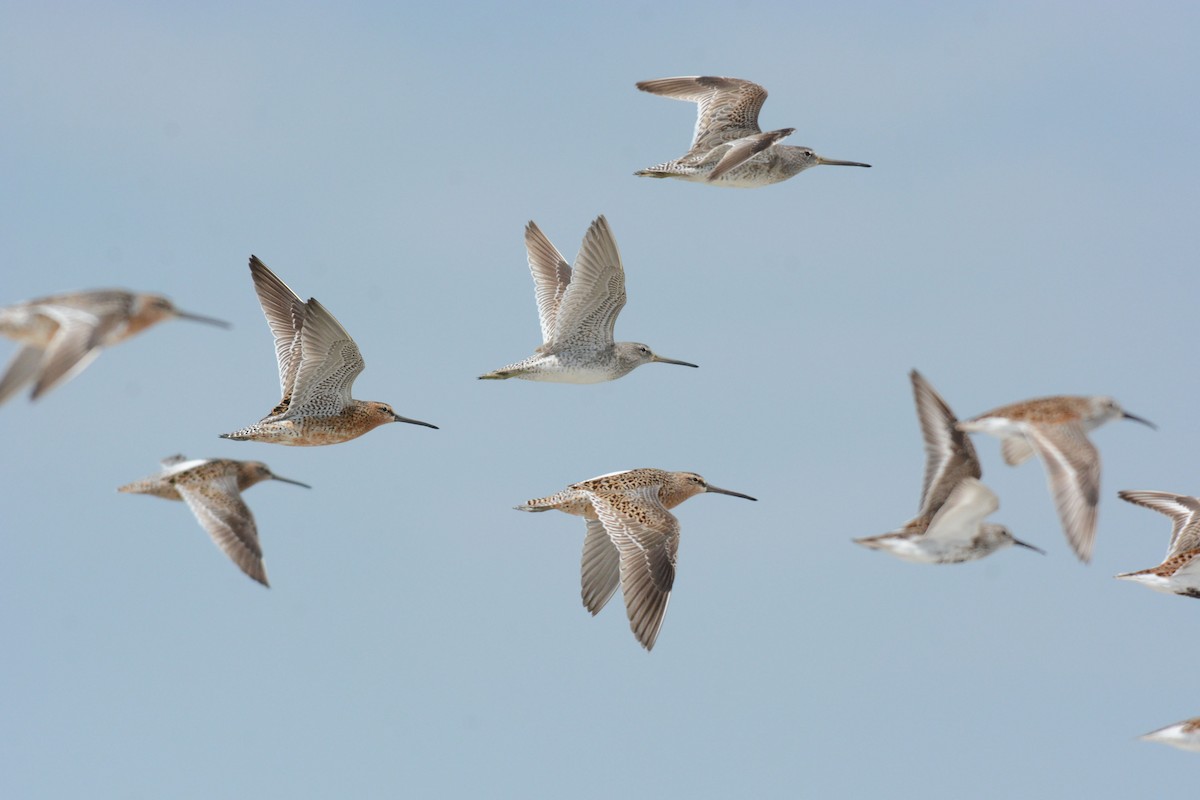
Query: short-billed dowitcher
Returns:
{"type": "Point", "coordinates": [949, 526]}
{"type": "Point", "coordinates": [578, 309]}
{"type": "Point", "coordinates": [1184, 735]}
{"type": "Point", "coordinates": [632, 538]}
{"type": "Point", "coordinates": [212, 488]}
{"type": "Point", "coordinates": [728, 147]}
{"type": "Point", "coordinates": [1179, 573]}
{"type": "Point", "coordinates": [61, 335]}
{"type": "Point", "coordinates": [1056, 429]}
{"type": "Point", "coordinates": [318, 362]}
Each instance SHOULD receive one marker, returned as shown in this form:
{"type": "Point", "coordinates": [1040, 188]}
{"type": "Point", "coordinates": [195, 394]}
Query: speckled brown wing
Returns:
{"type": "Point", "coordinates": [727, 108]}
{"type": "Point", "coordinates": [285, 313]}
{"type": "Point", "coordinates": [949, 455]}
{"type": "Point", "coordinates": [746, 148]}
{"type": "Point", "coordinates": [551, 276]}
{"type": "Point", "coordinates": [1073, 468]}
{"type": "Point", "coordinates": [329, 363]}
{"type": "Point", "coordinates": [80, 336]}
{"type": "Point", "coordinates": [596, 294]}
{"type": "Point", "coordinates": [647, 537]}
{"type": "Point", "coordinates": [218, 505]}
{"type": "Point", "coordinates": [600, 568]}
{"type": "Point", "coordinates": [1181, 508]}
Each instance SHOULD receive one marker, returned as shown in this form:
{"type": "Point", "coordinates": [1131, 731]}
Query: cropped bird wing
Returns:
{"type": "Point", "coordinates": [647, 537]}
{"type": "Point", "coordinates": [596, 293]}
{"type": "Point", "coordinates": [218, 505]}
{"type": "Point", "coordinates": [727, 108]}
{"type": "Point", "coordinates": [329, 363]}
{"type": "Point", "coordinates": [1073, 468]}
{"type": "Point", "coordinates": [1181, 508]}
{"type": "Point", "coordinates": [949, 455]}
{"type": "Point", "coordinates": [1016, 450]}
{"type": "Point", "coordinates": [746, 148]}
{"type": "Point", "coordinates": [601, 567]}
{"type": "Point", "coordinates": [285, 313]}
{"type": "Point", "coordinates": [76, 343]}
{"type": "Point", "coordinates": [21, 370]}
{"type": "Point", "coordinates": [963, 512]}
{"type": "Point", "coordinates": [551, 275]}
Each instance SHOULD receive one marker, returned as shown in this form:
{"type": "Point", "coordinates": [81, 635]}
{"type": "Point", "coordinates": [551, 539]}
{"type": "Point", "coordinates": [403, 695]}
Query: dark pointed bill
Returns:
{"type": "Point", "coordinates": [1019, 543]}
{"type": "Point", "coordinates": [220, 323]}
{"type": "Point", "coordinates": [413, 421]}
{"type": "Point", "coordinates": [289, 480]}
{"type": "Point", "coordinates": [835, 163]}
{"type": "Point", "coordinates": [662, 360]}
{"type": "Point", "coordinates": [1135, 418]}
{"type": "Point", "coordinates": [719, 490]}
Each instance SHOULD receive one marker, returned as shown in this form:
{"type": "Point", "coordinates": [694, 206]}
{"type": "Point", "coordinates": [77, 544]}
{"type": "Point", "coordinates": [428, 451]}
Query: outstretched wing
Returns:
{"type": "Point", "coordinates": [218, 505]}
{"type": "Point", "coordinates": [647, 537]}
{"type": "Point", "coordinates": [1073, 469]}
{"type": "Point", "coordinates": [329, 363]}
{"type": "Point", "coordinates": [727, 108]}
{"type": "Point", "coordinates": [959, 518]}
{"type": "Point", "coordinates": [596, 293]}
{"type": "Point", "coordinates": [600, 567]}
{"type": "Point", "coordinates": [949, 455]}
{"type": "Point", "coordinates": [285, 313]}
{"type": "Point", "coordinates": [551, 275]}
{"type": "Point", "coordinates": [1181, 508]}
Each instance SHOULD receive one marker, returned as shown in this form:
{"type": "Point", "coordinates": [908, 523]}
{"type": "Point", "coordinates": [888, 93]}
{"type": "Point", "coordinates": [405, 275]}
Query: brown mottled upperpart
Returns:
{"type": "Point", "coordinates": [318, 363]}
{"type": "Point", "coordinates": [728, 148]}
{"type": "Point", "coordinates": [1056, 429]}
{"type": "Point", "coordinates": [213, 488]}
{"type": "Point", "coordinates": [60, 335]}
{"type": "Point", "coordinates": [632, 538]}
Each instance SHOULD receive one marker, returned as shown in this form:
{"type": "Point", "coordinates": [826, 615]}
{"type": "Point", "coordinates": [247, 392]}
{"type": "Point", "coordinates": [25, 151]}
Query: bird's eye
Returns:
{"type": "Point", "coordinates": [645, 350]}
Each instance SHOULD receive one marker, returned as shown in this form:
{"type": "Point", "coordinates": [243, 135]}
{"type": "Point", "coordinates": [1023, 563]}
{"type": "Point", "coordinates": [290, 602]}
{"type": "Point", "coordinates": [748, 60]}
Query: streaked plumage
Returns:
{"type": "Point", "coordinates": [578, 310]}
{"type": "Point", "coordinates": [1179, 573]}
{"type": "Point", "coordinates": [1056, 429]}
{"type": "Point", "coordinates": [318, 362]}
{"type": "Point", "coordinates": [728, 148]}
{"type": "Point", "coordinates": [212, 489]}
{"type": "Point", "coordinates": [949, 526]}
{"type": "Point", "coordinates": [632, 538]}
{"type": "Point", "coordinates": [1184, 735]}
{"type": "Point", "coordinates": [62, 334]}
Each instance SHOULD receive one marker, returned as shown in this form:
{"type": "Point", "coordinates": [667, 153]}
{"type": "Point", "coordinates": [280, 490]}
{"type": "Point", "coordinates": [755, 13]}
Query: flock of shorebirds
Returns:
{"type": "Point", "coordinates": [632, 537]}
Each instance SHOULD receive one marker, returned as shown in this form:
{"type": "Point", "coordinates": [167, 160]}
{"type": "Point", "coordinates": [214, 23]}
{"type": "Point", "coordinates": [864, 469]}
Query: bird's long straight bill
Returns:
{"type": "Point", "coordinates": [719, 490]}
{"type": "Point", "coordinates": [835, 163]}
{"type": "Point", "coordinates": [289, 480]}
{"type": "Point", "coordinates": [662, 360]}
{"type": "Point", "coordinates": [1135, 418]}
{"type": "Point", "coordinates": [414, 421]}
{"type": "Point", "coordinates": [1019, 543]}
{"type": "Point", "coordinates": [220, 323]}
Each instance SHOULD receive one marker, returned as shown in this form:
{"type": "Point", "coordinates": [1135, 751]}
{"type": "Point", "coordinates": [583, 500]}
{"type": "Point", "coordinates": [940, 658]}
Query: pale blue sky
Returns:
{"type": "Point", "coordinates": [1028, 228]}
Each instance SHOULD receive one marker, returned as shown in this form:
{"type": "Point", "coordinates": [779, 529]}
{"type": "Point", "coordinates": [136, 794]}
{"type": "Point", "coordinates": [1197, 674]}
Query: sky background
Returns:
{"type": "Point", "coordinates": [1029, 228]}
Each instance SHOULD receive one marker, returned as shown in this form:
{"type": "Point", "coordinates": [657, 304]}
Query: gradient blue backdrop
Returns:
{"type": "Point", "coordinates": [1029, 228]}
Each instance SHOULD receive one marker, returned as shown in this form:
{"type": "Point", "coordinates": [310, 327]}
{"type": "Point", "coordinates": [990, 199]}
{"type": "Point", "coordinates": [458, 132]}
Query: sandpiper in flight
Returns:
{"type": "Point", "coordinates": [728, 148]}
{"type": "Point", "coordinates": [949, 526]}
{"type": "Point", "coordinates": [578, 309]}
{"type": "Point", "coordinates": [212, 488]}
{"type": "Point", "coordinates": [61, 335]}
{"type": "Point", "coordinates": [318, 362]}
{"type": "Point", "coordinates": [1179, 573]}
{"type": "Point", "coordinates": [1056, 429]}
{"type": "Point", "coordinates": [632, 538]}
